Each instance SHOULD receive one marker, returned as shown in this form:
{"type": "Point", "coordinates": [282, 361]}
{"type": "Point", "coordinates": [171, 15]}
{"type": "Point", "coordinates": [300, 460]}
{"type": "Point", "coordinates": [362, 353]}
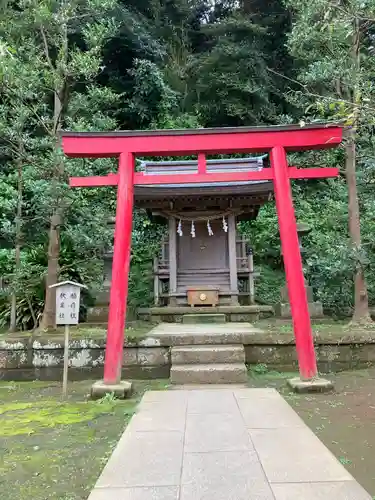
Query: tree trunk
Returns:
{"type": "Point", "coordinates": [49, 319]}
{"type": "Point", "coordinates": [13, 313]}
{"type": "Point", "coordinates": [361, 312]}
{"type": "Point", "coordinates": [13, 309]}
{"type": "Point", "coordinates": [17, 257]}
{"type": "Point", "coordinates": [32, 312]}
{"type": "Point", "coordinates": [49, 312]}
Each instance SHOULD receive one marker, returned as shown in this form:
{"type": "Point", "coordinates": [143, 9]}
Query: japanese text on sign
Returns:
{"type": "Point", "coordinates": [67, 305]}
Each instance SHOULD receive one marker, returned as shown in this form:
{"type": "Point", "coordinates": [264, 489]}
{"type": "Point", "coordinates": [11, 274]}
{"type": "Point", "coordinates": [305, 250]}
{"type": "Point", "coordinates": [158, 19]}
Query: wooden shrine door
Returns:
{"type": "Point", "coordinates": [203, 260]}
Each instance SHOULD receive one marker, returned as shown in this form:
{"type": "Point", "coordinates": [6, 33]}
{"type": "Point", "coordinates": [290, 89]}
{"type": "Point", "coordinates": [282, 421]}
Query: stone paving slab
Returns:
{"type": "Point", "coordinates": [158, 493]}
{"type": "Point", "coordinates": [179, 406]}
{"type": "Point", "coordinates": [256, 392]}
{"type": "Point", "coordinates": [224, 476]}
{"type": "Point", "coordinates": [210, 401]}
{"type": "Point", "coordinates": [345, 490]}
{"type": "Point", "coordinates": [296, 455]}
{"type": "Point", "coordinates": [258, 413]}
{"type": "Point", "coordinates": [222, 444]}
{"type": "Point", "coordinates": [159, 419]}
{"type": "Point", "coordinates": [169, 397]}
{"type": "Point", "coordinates": [205, 387]}
{"type": "Point", "coordinates": [145, 459]}
{"type": "Point", "coordinates": [216, 432]}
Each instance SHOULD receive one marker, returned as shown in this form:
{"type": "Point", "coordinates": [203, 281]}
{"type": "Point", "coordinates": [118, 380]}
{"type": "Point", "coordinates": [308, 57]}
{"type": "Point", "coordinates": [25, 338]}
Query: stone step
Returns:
{"type": "Point", "coordinates": [177, 334]}
{"type": "Point", "coordinates": [209, 374]}
{"type": "Point", "coordinates": [196, 319]}
{"type": "Point", "coordinates": [207, 354]}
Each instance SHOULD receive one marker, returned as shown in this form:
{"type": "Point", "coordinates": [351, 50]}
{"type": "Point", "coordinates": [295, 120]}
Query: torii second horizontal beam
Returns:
{"type": "Point", "coordinates": [141, 179]}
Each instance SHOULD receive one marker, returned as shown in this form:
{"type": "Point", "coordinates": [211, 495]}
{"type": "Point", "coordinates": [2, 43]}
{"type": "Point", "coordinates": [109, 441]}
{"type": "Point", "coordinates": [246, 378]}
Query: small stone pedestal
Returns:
{"type": "Point", "coordinates": [122, 390]}
{"type": "Point", "coordinates": [314, 385]}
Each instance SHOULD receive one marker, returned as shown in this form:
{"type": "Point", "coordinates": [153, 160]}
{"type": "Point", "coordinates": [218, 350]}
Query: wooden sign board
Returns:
{"type": "Point", "coordinates": [68, 296]}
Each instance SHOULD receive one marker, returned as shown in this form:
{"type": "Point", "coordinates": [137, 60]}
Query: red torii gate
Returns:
{"type": "Point", "coordinates": [276, 141]}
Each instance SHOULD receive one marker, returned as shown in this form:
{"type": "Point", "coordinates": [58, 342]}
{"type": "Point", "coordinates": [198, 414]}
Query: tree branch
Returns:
{"type": "Point", "coordinates": [46, 49]}
{"type": "Point", "coordinates": [352, 15]}
{"type": "Point", "coordinates": [313, 94]}
{"type": "Point", "coordinates": [31, 107]}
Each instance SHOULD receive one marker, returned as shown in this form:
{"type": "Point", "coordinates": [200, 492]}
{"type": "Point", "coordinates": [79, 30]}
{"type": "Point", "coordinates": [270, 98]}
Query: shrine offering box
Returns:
{"type": "Point", "coordinates": [203, 296]}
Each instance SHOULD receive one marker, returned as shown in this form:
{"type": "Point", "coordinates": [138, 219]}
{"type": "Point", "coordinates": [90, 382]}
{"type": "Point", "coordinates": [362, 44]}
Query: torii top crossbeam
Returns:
{"type": "Point", "coordinates": [190, 141]}
{"type": "Point", "coordinates": [277, 141]}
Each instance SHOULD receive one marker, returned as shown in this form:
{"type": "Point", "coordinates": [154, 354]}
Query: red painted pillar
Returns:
{"type": "Point", "coordinates": [293, 264]}
{"type": "Point", "coordinates": [120, 270]}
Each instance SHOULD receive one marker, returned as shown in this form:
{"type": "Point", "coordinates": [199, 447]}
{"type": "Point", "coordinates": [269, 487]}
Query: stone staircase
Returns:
{"type": "Point", "coordinates": [208, 364]}
{"type": "Point", "coordinates": [205, 352]}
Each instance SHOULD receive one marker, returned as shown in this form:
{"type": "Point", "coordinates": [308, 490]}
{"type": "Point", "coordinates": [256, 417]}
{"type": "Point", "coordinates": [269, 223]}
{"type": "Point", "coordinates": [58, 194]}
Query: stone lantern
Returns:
{"type": "Point", "coordinates": [283, 307]}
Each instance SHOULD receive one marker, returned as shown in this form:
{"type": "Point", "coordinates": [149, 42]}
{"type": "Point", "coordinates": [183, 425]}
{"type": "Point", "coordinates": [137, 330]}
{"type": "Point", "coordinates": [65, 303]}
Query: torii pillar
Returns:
{"type": "Point", "coordinates": [276, 141]}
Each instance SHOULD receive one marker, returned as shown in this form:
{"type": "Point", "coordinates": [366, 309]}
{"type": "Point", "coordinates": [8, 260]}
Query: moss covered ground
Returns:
{"type": "Point", "coordinates": [54, 449]}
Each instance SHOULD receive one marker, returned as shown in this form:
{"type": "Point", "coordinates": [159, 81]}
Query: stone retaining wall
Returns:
{"type": "Point", "coordinates": [149, 357]}
{"type": "Point", "coordinates": [43, 359]}
{"type": "Point", "coordinates": [334, 352]}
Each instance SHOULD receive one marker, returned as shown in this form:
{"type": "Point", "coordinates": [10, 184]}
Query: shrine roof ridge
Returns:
{"type": "Point", "coordinates": [202, 131]}
{"type": "Point", "coordinates": [225, 161]}
{"type": "Point", "coordinates": [176, 167]}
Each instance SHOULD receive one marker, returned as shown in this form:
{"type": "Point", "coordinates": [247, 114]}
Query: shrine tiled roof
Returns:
{"type": "Point", "coordinates": [248, 164]}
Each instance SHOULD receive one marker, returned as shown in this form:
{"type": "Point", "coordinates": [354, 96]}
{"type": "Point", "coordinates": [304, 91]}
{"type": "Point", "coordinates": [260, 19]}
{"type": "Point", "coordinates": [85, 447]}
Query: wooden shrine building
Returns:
{"type": "Point", "coordinates": [203, 260]}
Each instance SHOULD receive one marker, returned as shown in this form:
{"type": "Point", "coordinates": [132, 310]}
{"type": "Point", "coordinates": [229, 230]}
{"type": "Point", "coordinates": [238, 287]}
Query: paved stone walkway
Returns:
{"type": "Point", "coordinates": [222, 444]}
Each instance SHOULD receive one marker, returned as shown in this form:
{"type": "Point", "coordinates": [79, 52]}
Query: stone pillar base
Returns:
{"type": "Point", "coordinates": [314, 385]}
{"type": "Point", "coordinates": [172, 302]}
{"type": "Point", "coordinates": [122, 390]}
{"type": "Point", "coordinates": [283, 310]}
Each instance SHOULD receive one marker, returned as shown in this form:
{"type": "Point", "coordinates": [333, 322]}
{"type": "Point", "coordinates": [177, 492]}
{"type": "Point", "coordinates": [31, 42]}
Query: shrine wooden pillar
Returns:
{"type": "Point", "coordinates": [120, 270]}
{"type": "Point", "coordinates": [172, 261]}
{"type": "Point", "coordinates": [293, 264]}
{"type": "Point", "coordinates": [232, 259]}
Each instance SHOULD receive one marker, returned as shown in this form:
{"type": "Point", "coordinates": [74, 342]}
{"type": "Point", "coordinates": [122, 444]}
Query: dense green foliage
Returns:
{"type": "Point", "coordinates": [172, 64]}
